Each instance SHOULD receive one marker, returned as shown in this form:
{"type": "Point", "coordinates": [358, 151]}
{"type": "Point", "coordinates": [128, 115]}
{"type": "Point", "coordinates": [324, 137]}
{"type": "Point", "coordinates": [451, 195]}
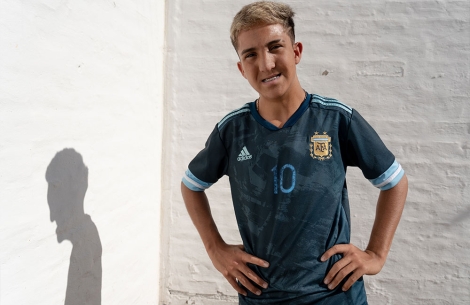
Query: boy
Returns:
{"type": "Point", "coordinates": [286, 156]}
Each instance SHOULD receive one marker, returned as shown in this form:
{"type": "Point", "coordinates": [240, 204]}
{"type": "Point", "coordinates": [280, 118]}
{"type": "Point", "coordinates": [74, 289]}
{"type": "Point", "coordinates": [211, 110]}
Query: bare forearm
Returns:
{"type": "Point", "coordinates": [230, 260]}
{"type": "Point", "coordinates": [200, 213]}
{"type": "Point", "coordinates": [388, 213]}
{"type": "Point", "coordinates": [355, 262]}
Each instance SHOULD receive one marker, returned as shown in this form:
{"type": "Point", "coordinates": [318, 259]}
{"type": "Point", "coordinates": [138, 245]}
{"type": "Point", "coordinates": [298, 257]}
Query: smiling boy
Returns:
{"type": "Point", "coordinates": [286, 156]}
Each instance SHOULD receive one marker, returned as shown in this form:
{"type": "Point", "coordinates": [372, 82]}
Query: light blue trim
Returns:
{"type": "Point", "coordinates": [245, 108]}
{"type": "Point", "coordinates": [389, 178]}
{"type": "Point", "coordinates": [193, 183]}
{"type": "Point", "coordinates": [320, 139]}
{"type": "Point", "coordinates": [394, 181]}
{"type": "Point", "coordinates": [190, 186]}
{"type": "Point", "coordinates": [330, 102]}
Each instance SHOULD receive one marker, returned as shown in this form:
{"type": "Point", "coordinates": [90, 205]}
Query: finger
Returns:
{"type": "Point", "coordinates": [339, 265]}
{"type": "Point", "coordinates": [352, 279]}
{"type": "Point", "coordinates": [255, 260]}
{"type": "Point", "coordinates": [341, 248]}
{"type": "Point", "coordinates": [341, 275]}
{"type": "Point", "coordinates": [253, 276]}
{"type": "Point", "coordinates": [235, 285]}
{"type": "Point", "coordinates": [247, 284]}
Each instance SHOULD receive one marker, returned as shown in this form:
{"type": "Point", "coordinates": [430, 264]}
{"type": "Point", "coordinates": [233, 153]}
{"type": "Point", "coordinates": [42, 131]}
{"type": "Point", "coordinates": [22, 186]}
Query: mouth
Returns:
{"type": "Point", "coordinates": [272, 78]}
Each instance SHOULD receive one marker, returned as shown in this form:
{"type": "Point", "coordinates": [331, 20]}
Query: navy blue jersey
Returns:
{"type": "Point", "coordinates": [289, 191]}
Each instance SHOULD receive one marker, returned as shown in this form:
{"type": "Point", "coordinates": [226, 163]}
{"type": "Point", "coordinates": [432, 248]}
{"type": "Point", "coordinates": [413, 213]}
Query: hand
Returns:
{"type": "Point", "coordinates": [355, 262]}
{"type": "Point", "coordinates": [231, 260]}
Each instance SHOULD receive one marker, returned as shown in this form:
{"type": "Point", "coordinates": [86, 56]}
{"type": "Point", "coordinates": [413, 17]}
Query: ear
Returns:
{"type": "Point", "coordinates": [298, 48]}
{"type": "Point", "coordinates": [240, 68]}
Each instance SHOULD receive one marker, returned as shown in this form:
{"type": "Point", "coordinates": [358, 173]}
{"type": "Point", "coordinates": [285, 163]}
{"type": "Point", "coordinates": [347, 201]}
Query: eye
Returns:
{"type": "Point", "coordinates": [248, 55]}
{"type": "Point", "coordinates": [274, 47]}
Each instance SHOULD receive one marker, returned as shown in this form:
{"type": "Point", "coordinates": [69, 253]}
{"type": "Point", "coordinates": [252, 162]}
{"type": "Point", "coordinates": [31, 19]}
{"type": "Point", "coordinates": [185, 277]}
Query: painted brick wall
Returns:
{"type": "Point", "coordinates": [81, 85]}
{"type": "Point", "coordinates": [405, 65]}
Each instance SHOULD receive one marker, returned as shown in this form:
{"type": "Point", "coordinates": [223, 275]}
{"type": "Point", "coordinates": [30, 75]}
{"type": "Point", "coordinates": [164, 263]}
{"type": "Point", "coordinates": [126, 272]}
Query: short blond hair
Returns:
{"type": "Point", "coordinates": [262, 13]}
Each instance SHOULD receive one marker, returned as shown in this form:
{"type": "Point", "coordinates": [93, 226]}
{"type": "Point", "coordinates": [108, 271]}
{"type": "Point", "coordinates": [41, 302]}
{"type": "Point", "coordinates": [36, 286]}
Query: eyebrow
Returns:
{"type": "Point", "coordinates": [252, 49]}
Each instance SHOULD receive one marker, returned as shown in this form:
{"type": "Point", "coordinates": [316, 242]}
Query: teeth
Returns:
{"type": "Point", "coordinates": [270, 79]}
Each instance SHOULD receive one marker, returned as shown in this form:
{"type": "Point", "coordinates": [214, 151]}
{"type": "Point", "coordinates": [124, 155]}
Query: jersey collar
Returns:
{"type": "Point", "coordinates": [290, 122]}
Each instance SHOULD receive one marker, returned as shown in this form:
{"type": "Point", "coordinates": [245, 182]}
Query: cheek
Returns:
{"type": "Point", "coordinates": [249, 74]}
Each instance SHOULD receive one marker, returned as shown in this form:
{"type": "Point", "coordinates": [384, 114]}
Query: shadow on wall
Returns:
{"type": "Point", "coordinates": [67, 178]}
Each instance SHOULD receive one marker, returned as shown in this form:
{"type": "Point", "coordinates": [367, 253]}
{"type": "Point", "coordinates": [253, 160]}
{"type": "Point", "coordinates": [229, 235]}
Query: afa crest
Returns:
{"type": "Point", "coordinates": [320, 146]}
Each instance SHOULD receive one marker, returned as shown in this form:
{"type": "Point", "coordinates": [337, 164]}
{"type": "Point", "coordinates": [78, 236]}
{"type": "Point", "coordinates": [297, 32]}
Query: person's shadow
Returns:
{"type": "Point", "coordinates": [67, 177]}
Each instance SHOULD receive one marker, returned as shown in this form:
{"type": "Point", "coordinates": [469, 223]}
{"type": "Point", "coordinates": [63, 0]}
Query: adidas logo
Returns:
{"type": "Point", "coordinates": [244, 155]}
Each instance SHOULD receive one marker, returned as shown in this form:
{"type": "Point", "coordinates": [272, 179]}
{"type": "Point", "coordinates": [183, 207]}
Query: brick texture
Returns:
{"type": "Point", "coordinates": [404, 65]}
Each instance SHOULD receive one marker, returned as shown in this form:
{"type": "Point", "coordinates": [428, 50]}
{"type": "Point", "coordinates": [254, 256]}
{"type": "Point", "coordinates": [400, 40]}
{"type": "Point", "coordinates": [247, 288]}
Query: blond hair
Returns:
{"type": "Point", "coordinates": [262, 13]}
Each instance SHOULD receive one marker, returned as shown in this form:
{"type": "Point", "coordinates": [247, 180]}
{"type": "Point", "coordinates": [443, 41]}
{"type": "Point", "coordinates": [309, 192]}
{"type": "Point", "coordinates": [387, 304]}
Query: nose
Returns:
{"type": "Point", "coordinates": [267, 62]}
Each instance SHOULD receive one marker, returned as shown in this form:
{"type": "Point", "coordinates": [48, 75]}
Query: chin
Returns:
{"type": "Point", "coordinates": [273, 94]}
{"type": "Point", "coordinates": [60, 236]}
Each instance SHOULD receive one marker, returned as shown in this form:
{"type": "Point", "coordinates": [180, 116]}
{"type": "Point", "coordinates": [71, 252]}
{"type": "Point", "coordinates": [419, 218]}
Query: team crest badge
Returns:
{"type": "Point", "coordinates": [320, 146]}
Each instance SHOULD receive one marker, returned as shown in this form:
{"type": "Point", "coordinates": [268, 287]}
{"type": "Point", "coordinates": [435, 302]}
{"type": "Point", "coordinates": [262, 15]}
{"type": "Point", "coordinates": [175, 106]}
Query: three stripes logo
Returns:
{"type": "Point", "coordinates": [244, 155]}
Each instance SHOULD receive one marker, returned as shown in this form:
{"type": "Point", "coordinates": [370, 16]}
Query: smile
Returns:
{"type": "Point", "coordinates": [266, 80]}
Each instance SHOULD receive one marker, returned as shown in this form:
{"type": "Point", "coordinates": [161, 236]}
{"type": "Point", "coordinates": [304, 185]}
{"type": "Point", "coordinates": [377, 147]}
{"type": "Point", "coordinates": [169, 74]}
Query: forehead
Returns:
{"type": "Point", "coordinates": [260, 35]}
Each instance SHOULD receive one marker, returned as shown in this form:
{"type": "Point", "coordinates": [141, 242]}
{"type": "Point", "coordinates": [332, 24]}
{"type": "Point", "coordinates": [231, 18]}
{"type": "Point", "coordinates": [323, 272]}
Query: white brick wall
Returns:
{"type": "Point", "coordinates": [88, 75]}
{"type": "Point", "coordinates": [405, 65]}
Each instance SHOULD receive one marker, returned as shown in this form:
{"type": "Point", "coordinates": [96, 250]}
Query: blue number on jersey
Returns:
{"type": "Point", "coordinates": [281, 179]}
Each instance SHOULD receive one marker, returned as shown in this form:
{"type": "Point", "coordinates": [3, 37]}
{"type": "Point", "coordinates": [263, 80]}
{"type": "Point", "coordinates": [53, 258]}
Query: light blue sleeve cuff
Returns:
{"type": "Point", "coordinates": [389, 178]}
{"type": "Point", "coordinates": [193, 183]}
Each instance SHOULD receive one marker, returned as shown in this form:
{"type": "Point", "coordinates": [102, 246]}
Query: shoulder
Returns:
{"type": "Point", "coordinates": [234, 115]}
{"type": "Point", "coordinates": [330, 104]}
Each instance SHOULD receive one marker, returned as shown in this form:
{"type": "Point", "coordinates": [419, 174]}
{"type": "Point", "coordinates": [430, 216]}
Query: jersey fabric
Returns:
{"type": "Point", "coordinates": [289, 191]}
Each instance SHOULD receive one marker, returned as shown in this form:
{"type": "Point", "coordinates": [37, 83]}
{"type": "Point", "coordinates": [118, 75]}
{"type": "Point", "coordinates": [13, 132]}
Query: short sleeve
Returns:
{"type": "Point", "coordinates": [209, 164]}
{"type": "Point", "coordinates": [366, 150]}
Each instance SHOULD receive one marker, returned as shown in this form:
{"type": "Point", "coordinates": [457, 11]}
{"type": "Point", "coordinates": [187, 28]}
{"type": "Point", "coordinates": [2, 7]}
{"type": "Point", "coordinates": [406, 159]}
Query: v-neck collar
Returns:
{"type": "Point", "coordinates": [290, 122]}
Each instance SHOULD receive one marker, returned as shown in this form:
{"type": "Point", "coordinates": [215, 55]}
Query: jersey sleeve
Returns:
{"type": "Point", "coordinates": [366, 150]}
{"type": "Point", "coordinates": [208, 166]}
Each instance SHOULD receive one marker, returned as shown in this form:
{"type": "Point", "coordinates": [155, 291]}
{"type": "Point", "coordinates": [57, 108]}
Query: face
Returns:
{"type": "Point", "coordinates": [53, 199]}
{"type": "Point", "coordinates": [62, 209]}
{"type": "Point", "coordinates": [268, 60]}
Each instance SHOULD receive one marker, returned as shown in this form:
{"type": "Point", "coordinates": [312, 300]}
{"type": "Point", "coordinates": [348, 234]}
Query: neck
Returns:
{"type": "Point", "coordinates": [278, 111]}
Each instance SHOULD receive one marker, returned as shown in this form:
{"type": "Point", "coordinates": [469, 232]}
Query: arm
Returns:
{"type": "Point", "coordinates": [357, 262]}
{"type": "Point", "coordinates": [230, 260]}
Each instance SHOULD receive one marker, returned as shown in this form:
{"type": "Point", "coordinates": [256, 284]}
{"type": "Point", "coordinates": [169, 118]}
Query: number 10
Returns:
{"type": "Point", "coordinates": [281, 178]}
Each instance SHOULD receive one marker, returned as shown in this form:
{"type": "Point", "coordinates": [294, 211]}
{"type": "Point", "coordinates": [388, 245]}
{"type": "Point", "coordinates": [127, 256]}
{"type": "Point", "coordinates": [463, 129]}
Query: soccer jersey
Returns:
{"type": "Point", "coordinates": [289, 191]}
